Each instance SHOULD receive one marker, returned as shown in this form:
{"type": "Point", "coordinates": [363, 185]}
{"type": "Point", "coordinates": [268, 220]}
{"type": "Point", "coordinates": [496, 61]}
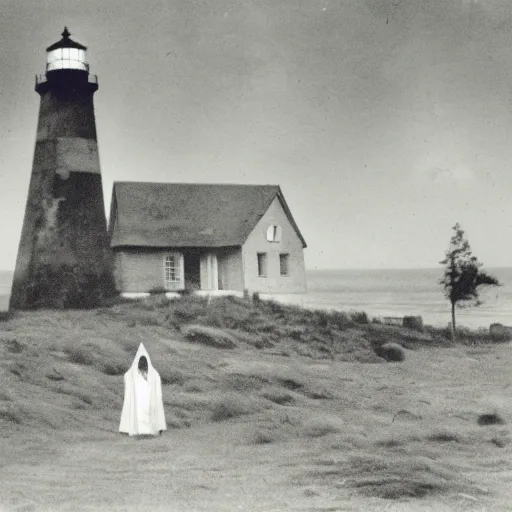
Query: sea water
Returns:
{"type": "Point", "coordinates": [400, 292]}
{"type": "Point", "coordinates": [381, 293]}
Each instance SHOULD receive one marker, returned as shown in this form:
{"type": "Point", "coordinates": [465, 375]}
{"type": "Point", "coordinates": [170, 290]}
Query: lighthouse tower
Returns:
{"type": "Point", "coordinates": [64, 258]}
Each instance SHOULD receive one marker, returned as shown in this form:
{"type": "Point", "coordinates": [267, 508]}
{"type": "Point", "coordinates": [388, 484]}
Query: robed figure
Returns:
{"type": "Point", "coordinates": [143, 408]}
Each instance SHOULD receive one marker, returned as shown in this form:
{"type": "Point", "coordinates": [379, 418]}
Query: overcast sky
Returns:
{"type": "Point", "coordinates": [384, 121]}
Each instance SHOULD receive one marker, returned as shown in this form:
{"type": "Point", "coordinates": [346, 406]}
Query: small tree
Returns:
{"type": "Point", "coordinates": [462, 276]}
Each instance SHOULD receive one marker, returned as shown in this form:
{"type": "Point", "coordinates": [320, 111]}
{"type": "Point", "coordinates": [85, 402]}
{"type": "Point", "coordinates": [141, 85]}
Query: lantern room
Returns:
{"type": "Point", "coordinates": [66, 54]}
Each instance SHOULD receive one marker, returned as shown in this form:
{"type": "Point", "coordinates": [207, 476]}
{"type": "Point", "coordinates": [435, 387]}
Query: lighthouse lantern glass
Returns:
{"type": "Point", "coordinates": [66, 58]}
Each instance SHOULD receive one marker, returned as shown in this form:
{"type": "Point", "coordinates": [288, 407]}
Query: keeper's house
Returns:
{"type": "Point", "coordinates": [211, 238]}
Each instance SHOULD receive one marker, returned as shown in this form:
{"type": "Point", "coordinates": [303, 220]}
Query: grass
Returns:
{"type": "Point", "coordinates": [14, 346]}
{"type": "Point", "coordinates": [320, 427]}
{"type": "Point", "coordinates": [231, 406]}
{"type": "Point", "coordinates": [401, 479]}
{"type": "Point", "coordinates": [263, 437]}
{"type": "Point", "coordinates": [278, 396]}
{"type": "Point", "coordinates": [210, 336]}
{"type": "Point", "coordinates": [445, 437]}
{"type": "Point", "coordinates": [329, 426]}
{"type": "Point", "coordinates": [10, 416]}
{"type": "Point", "coordinates": [80, 354]}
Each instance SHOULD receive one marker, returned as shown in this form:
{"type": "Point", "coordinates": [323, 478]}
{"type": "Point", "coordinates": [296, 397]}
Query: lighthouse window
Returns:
{"type": "Point", "coordinates": [66, 58]}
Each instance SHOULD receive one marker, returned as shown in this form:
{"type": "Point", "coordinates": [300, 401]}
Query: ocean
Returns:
{"type": "Point", "coordinates": [400, 292]}
{"type": "Point", "coordinates": [380, 293]}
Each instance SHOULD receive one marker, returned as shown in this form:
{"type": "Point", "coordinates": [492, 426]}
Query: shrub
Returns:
{"type": "Point", "coordinates": [317, 393]}
{"type": "Point", "coordinates": [413, 322]}
{"type": "Point", "coordinates": [187, 308]}
{"type": "Point", "coordinates": [290, 383]}
{"type": "Point", "coordinates": [359, 317]}
{"type": "Point", "coordinates": [11, 416]}
{"type": "Point", "coordinates": [321, 318]}
{"type": "Point", "coordinates": [392, 352]}
{"type": "Point", "coordinates": [245, 381]}
{"type": "Point", "coordinates": [490, 419]}
{"type": "Point", "coordinates": [210, 336]}
{"type": "Point", "coordinates": [230, 407]}
{"type": "Point", "coordinates": [321, 427]}
{"type": "Point", "coordinates": [5, 316]}
{"type": "Point", "coordinates": [444, 437]}
{"type": "Point", "coordinates": [14, 346]}
{"type": "Point", "coordinates": [399, 477]}
{"type": "Point", "coordinates": [111, 368]}
{"type": "Point", "coordinates": [256, 340]}
{"type": "Point", "coordinates": [172, 376]}
{"type": "Point", "coordinates": [188, 291]}
{"type": "Point", "coordinates": [263, 437]}
{"type": "Point", "coordinates": [80, 354]}
{"type": "Point", "coordinates": [498, 332]}
{"type": "Point", "coordinates": [471, 337]}
{"type": "Point", "coordinates": [157, 290]}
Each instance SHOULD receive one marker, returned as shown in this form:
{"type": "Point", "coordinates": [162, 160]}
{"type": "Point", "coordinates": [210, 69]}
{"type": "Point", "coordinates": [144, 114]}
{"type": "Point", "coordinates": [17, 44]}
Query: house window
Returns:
{"type": "Point", "coordinates": [173, 267]}
{"type": "Point", "coordinates": [262, 264]}
{"type": "Point", "coordinates": [274, 233]}
{"type": "Point", "coordinates": [284, 267]}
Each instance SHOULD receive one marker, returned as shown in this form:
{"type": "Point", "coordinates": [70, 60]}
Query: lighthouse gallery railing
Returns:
{"type": "Point", "coordinates": [41, 79]}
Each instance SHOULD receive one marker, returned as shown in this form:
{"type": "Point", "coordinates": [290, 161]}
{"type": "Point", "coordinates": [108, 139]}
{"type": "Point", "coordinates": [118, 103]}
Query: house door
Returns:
{"type": "Point", "coordinates": [209, 272]}
{"type": "Point", "coordinates": [192, 271]}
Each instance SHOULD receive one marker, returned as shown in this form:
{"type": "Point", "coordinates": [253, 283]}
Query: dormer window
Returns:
{"type": "Point", "coordinates": [274, 233]}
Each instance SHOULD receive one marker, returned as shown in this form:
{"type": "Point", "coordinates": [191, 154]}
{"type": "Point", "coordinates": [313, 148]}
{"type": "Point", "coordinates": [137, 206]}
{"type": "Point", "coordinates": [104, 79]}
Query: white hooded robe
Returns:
{"type": "Point", "coordinates": [143, 408]}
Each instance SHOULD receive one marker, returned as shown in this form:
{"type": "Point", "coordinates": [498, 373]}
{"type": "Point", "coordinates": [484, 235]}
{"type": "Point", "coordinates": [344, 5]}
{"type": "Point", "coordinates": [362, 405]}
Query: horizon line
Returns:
{"type": "Point", "coordinates": [358, 268]}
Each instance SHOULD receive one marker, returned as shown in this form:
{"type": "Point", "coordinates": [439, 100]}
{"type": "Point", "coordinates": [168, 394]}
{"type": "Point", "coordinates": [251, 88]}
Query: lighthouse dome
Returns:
{"type": "Point", "coordinates": [66, 54]}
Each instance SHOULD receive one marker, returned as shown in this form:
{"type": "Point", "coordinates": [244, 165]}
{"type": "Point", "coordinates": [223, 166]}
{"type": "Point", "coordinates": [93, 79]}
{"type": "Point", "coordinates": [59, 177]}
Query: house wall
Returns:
{"type": "Point", "coordinates": [289, 244]}
{"type": "Point", "coordinates": [230, 269]}
{"type": "Point", "coordinates": [138, 270]}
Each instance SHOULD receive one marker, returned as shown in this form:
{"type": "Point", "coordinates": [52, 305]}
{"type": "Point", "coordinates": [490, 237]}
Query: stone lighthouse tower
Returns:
{"type": "Point", "coordinates": [64, 258]}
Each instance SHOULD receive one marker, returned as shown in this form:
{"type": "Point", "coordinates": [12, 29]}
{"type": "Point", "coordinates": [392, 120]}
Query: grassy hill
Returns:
{"type": "Point", "coordinates": [269, 407]}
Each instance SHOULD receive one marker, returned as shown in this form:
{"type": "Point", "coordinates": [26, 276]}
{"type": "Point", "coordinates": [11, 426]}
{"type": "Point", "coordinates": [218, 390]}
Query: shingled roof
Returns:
{"type": "Point", "coordinates": [189, 215]}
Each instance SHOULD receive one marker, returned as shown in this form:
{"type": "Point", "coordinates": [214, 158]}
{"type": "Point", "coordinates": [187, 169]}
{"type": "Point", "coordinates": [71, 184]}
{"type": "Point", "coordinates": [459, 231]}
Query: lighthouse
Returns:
{"type": "Point", "coordinates": [64, 258]}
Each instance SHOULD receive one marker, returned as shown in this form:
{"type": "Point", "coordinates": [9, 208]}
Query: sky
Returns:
{"type": "Point", "coordinates": [385, 122]}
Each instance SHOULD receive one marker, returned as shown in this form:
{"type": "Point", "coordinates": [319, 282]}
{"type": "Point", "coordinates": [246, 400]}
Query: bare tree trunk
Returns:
{"type": "Point", "coordinates": [453, 322]}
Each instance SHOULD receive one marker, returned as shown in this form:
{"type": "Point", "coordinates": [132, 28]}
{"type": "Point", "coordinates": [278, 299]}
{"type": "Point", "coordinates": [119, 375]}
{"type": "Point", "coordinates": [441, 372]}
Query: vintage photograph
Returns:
{"type": "Point", "coordinates": [256, 256]}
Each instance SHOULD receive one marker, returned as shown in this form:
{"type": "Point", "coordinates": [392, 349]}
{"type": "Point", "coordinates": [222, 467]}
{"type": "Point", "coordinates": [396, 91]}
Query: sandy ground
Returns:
{"type": "Point", "coordinates": [345, 437]}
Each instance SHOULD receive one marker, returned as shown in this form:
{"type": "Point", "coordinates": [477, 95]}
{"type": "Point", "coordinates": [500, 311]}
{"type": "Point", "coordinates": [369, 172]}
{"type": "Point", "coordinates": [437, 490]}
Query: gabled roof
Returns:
{"type": "Point", "coordinates": [189, 215]}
